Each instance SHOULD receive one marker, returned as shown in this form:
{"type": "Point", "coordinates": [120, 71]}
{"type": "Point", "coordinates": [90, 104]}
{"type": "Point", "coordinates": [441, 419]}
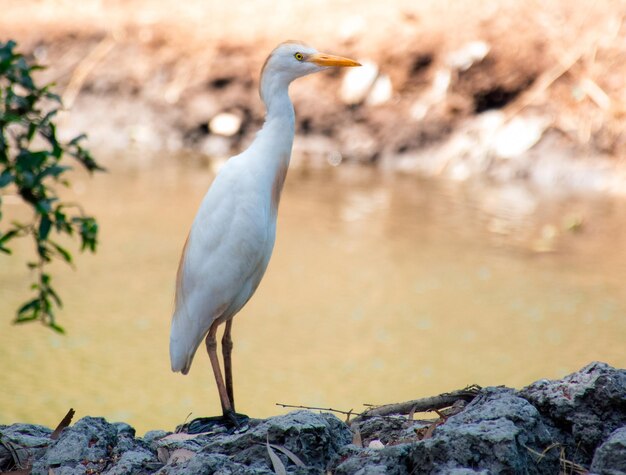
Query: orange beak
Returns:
{"type": "Point", "coordinates": [322, 59]}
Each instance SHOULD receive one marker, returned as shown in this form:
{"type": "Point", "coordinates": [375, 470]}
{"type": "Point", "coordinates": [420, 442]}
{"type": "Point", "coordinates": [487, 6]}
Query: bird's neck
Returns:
{"type": "Point", "coordinates": [275, 96]}
{"type": "Point", "coordinates": [275, 139]}
{"type": "Point", "coordinates": [279, 126]}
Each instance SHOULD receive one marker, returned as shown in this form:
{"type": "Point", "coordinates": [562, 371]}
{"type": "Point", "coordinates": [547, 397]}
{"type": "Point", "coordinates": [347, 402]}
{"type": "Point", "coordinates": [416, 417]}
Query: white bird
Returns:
{"type": "Point", "coordinates": [232, 237]}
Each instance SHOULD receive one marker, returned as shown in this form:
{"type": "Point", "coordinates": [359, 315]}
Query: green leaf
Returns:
{"type": "Point", "coordinates": [6, 237]}
{"type": "Point", "coordinates": [44, 205]}
{"type": "Point", "coordinates": [77, 139]}
{"type": "Point", "coordinates": [30, 318]}
{"type": "Point", "coordinates": [57, 328]}
{"type": "Point", "coordinates": [44, 227]}
{"type": "Point", "coordinates": [55, 296]}
{"type": "Point", "coordinates": [32, 128]}
{"type": "Point", "coordinates": [6, 177]}
{"type": "Point", "coordinates": [54, 171]}
{"type": "Point", "coordinates": [27, 160]}
{"type": "Point", "coordinates": [29, 306]}
{"type": "Point", "coordinates": [64, 253]}
{"type": "Point", "coordinates": [9, 118]}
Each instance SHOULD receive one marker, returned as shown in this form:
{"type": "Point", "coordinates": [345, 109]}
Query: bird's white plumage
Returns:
{"type": "Point", "coordinates": [232, 237]}
{"type": "Point", "coordinates": [230, 242]}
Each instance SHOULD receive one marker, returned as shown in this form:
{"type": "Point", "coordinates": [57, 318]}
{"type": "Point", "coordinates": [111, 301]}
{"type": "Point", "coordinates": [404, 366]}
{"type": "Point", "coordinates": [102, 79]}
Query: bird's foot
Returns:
{"type": "Point", "coordinates": [230, 420]}
{"type": "Point", "coordinates": [235, 420]}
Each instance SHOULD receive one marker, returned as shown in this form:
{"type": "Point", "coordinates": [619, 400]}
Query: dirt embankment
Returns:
{"type": "Point", "coordinates": [533, 92]}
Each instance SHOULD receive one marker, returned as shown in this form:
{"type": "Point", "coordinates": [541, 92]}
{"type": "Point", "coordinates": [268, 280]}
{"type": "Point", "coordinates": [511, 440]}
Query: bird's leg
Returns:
{"type": "Point", "coordinates": [211, 347]}
{"type": "Point", "coordinates": [227, 349]}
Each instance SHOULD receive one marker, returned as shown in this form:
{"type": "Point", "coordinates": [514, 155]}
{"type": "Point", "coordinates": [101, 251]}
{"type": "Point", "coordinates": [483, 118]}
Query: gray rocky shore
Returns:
{"type": "Point", "coordinates": [573, 425]}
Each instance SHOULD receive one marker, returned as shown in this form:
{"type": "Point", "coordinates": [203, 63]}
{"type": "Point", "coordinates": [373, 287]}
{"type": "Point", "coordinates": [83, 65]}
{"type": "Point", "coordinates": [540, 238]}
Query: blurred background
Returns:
{"type": "Point", "coordinates": [454, 213]}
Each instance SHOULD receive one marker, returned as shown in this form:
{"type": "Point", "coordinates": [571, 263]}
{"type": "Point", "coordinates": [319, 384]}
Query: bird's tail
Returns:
{"type": "Point", "coordinates": [184, 341]}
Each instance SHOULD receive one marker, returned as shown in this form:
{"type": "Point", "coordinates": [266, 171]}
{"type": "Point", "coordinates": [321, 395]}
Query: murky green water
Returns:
{"type": "Point", "coordinates": [381, 289]}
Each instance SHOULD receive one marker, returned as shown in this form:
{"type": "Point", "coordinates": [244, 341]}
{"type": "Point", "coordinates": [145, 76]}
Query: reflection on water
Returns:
{"type": "Point", "coordinates": [381, 289]}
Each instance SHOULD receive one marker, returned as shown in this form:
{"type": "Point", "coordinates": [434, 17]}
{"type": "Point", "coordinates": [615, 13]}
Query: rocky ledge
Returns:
{"type": "Point", "coordinates": [573, 425]}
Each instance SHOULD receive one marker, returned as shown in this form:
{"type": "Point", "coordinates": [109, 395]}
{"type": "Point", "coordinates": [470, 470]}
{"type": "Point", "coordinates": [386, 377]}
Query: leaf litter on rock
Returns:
{"type": "Point", "coordinates": [277, 463]}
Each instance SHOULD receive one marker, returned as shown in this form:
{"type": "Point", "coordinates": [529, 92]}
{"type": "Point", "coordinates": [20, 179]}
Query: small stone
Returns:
{"type": "Point", "coordinates": [381, 92]}
{"type": "Point", "coordinates": [419, 110]}
{"type": "Point", "coordinates": [376, 445]}
{"type": "Point", "coordinates": [473, 52]}
{"type": "Point", "coordinates": [441, 83]}
{"type": "Point", "coordinates": [225, 124]}
{"type": "Point", "coordinates": [358, 82]}
{"type": "Point", "coordinates": [518, 136]}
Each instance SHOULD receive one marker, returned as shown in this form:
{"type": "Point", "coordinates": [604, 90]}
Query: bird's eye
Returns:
{"type": "Point", "coordinates": [299, 56]}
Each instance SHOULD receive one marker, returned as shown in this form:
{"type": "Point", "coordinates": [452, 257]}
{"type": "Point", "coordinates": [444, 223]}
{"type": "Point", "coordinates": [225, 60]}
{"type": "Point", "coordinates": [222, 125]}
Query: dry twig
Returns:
{"type": "Point", "coordinates": [424, 404]}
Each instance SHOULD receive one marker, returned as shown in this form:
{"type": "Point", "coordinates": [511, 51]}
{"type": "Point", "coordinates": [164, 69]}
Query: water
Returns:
{"type": "Point", "coordinates": [381, 289]}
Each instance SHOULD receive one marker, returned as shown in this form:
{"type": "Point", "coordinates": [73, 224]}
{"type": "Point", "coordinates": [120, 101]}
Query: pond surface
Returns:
{"type": "Point", "coordinates": [381, 289]}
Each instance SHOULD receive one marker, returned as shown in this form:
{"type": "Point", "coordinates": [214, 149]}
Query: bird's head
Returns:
{"type": "Point", "coordinates": [291, 60]}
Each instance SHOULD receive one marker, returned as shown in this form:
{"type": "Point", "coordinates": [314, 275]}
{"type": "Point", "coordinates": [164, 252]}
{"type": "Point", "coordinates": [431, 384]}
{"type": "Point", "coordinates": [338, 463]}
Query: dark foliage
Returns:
{"type": "Point", "coordinates": [31, 165]}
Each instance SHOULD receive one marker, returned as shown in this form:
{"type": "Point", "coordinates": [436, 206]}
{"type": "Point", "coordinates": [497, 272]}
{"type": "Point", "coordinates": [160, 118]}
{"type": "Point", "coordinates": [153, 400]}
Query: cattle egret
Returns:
{"type": "Point", "coordinates": [232, 236]}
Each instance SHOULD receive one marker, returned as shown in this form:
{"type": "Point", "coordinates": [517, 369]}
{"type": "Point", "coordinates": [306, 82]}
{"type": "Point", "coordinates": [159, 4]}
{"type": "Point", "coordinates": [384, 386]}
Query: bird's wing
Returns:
{"type": "Point", "coordinates": [224, 253]}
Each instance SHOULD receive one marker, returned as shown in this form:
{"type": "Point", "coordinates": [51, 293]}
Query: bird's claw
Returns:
{"type": "Point", "coordinates": [235, 420]}
{"type": "Point", "coordinates": [230, 420]}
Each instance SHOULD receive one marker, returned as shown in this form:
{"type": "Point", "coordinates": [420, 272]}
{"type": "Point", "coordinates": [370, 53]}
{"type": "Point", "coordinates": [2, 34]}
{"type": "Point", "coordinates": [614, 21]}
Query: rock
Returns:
{"type": "Point", "coordinates": [518, 136]}
{"type": "Point", "coordinates": [85, 445]}
{"type": "Point", "coordinates": [498, 432]}
{"type": "Point", "coordinates": [32, 440]}
{"type": "Point", "coordinates": [465, 57]}
{"type": "Point", "coordinates": [358, 82]}
{"type": "Point", "coordinates": [389, 430]}
{"type": "Point", "coordinates": [152, 437]}
{"type": "Point", "coordinates": [381, 92]}
{"type": "Point", "coordinates": [95, 444]}
{"type": "Point", "coordinates": [392, 460]}
{"type": "Point", "coordinates": [610, 458]}
{"type": "Point", "coordinates": [134, 461]}
{"type": "Point", "coordinates": [225, 123]}
{"type": "Point", "coordinates": [314, 438]}
{"type": "Point", "coordinates": [579, 420]}
{"type": "Point", "coordinates": [587, 406]}
{"type": "Point", "coordinates": [376, 445]}
{"type": "Point", "coordinates": [217, 464]}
